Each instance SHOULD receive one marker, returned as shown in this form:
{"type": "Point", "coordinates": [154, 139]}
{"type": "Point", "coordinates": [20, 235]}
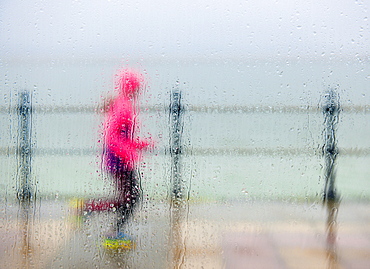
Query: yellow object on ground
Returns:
{"type": "Point", "coordinates": [77, 204]}
{"type": "Point", "coordinates": [76, 211]}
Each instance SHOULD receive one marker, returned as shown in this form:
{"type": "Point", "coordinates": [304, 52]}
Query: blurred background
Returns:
{"type": "Point", "coordinates": [252, 74]}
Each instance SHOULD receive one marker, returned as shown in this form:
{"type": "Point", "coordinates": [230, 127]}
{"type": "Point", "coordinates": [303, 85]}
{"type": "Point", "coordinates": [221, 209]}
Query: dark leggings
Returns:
{"type": "Point", "coordinates": [127, 188]}
{"type": "Point", "coordinates": [127, 193]}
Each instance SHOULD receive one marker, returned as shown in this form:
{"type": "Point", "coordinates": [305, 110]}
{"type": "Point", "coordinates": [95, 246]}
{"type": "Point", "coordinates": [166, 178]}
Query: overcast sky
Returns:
{"type": "Point", "coordinates": [196, 28]}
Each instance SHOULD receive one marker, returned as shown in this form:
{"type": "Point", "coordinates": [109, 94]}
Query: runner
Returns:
{"type": "Point", "coordinates": [121, 155]}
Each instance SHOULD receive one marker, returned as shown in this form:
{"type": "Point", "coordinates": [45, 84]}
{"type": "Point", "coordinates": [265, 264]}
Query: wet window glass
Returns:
{"type": "Point", "coordinates": [200, 134]}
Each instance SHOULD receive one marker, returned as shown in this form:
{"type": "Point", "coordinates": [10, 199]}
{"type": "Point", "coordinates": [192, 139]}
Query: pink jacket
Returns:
{"type": "Point", "coordinates": [119, 129]}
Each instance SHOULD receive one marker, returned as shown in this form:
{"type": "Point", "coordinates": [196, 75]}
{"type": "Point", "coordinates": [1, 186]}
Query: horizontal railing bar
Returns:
{"type": "Point", "coordinates": [273, 109]}
{"type": "Point", "coordinates": [192, 108]}
{"type": "Point", "coordinates": [198, 151]}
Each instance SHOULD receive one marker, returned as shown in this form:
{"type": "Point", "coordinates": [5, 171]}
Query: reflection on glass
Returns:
{"type": "Point", "coordinates": [24, 192]}
{"type": "Point", "coordinates": [331, 111]}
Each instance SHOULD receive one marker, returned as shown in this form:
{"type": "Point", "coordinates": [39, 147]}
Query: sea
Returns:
{"type": "Point", "coordinates": [250, 128]}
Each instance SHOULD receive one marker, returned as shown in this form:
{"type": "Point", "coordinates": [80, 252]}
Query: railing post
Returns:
{"type": "Point", "coordinates": [24, 192]}
{"type": "Point", "coordinates": [176, 112]}
{"type": "Point", "coordinates": [331, 111]}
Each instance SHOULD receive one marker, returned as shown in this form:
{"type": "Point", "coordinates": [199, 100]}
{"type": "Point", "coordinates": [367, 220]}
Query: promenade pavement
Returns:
{"type": "Point", "coordinates": [231, 235]}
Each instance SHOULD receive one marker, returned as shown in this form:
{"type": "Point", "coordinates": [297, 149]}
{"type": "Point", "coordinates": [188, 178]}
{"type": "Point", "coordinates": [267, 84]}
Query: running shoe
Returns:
{"type": "Point", "coordinates": [119, 241]}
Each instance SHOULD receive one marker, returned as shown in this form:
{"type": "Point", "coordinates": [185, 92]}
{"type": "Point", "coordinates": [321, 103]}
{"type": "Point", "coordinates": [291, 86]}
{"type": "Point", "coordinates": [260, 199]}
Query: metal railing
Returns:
{"type": "Point", "coordinates": [48, 109]}
{"type": "Point", "coordinates": [197, 151]}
